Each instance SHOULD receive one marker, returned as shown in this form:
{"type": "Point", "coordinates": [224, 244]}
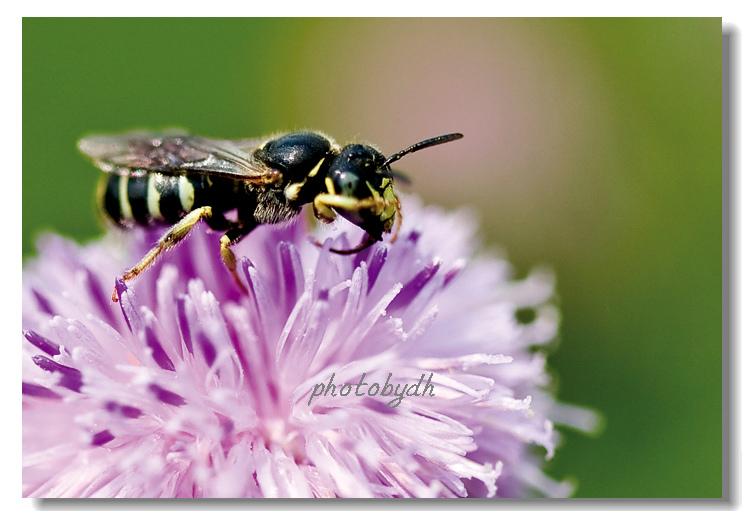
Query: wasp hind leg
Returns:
{"type": "Point", "coordinates": [168, 241]}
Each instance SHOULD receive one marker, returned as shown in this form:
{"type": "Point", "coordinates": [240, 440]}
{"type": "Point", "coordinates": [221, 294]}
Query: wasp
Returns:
{"type": "Point", "coordinates": [178, 179]}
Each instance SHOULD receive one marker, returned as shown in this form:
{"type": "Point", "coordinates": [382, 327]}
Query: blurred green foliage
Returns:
{"type": "Point", "coordinates": [653, 309]}
{"type": "Point", "coordinates": [641, 339]}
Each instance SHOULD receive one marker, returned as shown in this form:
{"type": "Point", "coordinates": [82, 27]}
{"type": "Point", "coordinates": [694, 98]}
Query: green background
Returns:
{"type": "Point", "coordinates": [592, 146]}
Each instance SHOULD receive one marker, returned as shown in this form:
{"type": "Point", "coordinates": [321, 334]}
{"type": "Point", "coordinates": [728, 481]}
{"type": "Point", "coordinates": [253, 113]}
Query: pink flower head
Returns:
{"type": "Point", "coordinates": [189, 388]}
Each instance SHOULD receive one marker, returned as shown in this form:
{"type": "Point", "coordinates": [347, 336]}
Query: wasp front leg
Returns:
{"type": "Point", "coordinates": [324, 209]}
{"type": "Point", "coordinates": [171, 238]}
{"type": "Point", "coordinates": [324, 202]}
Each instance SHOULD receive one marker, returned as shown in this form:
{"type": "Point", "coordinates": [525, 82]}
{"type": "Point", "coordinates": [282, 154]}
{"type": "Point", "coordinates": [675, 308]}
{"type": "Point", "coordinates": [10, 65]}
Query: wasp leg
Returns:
{"type": "Point", "coordinates": [231, 237]}
{"type": "Point", "coordinates": [323, 212]}
{"type": "Point", "coordinates": [324, 201]}
{"type": "Point", "coordinates": [363, 245]}
{"type": "Point", "coordinates": [398, 223]}
{"type": "Point", "coordinates": [168, 241]}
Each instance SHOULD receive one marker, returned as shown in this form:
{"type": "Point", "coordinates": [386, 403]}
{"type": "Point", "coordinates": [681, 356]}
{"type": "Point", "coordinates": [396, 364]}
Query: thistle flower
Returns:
{"type": "Point", "coordinates": [189, 388]}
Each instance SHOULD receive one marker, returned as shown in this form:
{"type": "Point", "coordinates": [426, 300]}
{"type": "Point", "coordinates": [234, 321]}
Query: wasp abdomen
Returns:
{"type": "Point", "coordinates": [153, 198]}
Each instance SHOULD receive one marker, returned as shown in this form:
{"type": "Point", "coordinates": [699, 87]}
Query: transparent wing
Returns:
{"type": "Point", "coordinates": [177, 152]}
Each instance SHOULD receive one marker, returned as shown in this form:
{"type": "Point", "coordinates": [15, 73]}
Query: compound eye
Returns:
{"type": "Point", "coordinates": [347, 183]}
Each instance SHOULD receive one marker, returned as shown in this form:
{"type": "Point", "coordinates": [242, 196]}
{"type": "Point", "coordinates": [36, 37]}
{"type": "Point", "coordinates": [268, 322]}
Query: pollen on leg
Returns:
{"type": "Point", "coordinates": [227, 255]}
{"type": "Point", "coordinates": [230, 238]}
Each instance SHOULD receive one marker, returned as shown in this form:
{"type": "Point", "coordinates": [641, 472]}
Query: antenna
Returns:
{"type": "Point", "coordinates": [422, 145]}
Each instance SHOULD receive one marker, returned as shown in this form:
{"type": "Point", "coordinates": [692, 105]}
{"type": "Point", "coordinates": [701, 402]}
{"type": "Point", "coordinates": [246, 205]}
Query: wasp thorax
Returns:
{"type": "Point", "coordinates": [295, 155]}
{"type": "Point", "coordinates": [299, 157]}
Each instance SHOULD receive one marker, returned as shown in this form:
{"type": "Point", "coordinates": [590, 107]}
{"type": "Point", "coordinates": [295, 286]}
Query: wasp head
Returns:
{"type": "Point", "coordinates": [360, 176]}
{"type": "Point", "coordinates": [360, 188]}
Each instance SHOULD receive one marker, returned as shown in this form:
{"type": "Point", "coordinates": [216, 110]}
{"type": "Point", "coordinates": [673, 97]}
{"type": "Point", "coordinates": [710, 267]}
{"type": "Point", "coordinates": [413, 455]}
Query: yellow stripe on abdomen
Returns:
{"type": "Point", "coordinates": [126, 213]}
{"type": "Point", "coordinates": [153, 198]}
{"type": "Point", "coordinates": [186, 193]}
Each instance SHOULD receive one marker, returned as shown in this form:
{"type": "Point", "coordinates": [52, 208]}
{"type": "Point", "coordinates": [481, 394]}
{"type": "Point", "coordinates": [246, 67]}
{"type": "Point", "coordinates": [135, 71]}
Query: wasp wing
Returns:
{"type": "Point", "coordinates": [177, 152]}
